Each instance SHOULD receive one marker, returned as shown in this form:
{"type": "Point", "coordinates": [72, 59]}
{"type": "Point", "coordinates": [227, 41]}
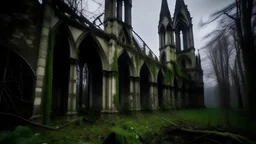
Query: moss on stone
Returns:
{"type": "Point", "coordinates": [115, 69]}
{"type": "Point", "coordinates": [47, 95]}
{"type": "Point", "coordinates": [177, 69]}
{"type": "Point", "coordinates": [153, 68]}
{"type": "Point", "coordinates": [137, 61]}
{"type": "Point", "coordinates": [169, 75]}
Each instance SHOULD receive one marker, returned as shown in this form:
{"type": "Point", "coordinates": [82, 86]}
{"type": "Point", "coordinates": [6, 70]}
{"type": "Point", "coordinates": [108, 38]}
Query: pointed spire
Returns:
{"type": "Point", "coordinates": [179, 3]}
{"type": "Point", "coordinates": [165, 12]}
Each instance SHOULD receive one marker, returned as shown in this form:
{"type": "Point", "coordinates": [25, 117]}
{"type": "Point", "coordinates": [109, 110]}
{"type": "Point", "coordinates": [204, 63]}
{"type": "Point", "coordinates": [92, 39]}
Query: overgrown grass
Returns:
{"type": "Point", "coordinates": [144, 124]}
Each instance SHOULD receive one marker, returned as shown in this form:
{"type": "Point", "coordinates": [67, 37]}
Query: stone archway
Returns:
{"type": "Point", "coordinates": [144, 87]}
{"type": "Point", "coordinates": [90, 57]}
{"type": "Point", "coordinates": [16, 84]}
{"type": "Point", "coordinates": [160, 82]}
{"type": "Point", "coordinates": [124, 81]}
{"type": "Point", "coordinates": [61, 68]}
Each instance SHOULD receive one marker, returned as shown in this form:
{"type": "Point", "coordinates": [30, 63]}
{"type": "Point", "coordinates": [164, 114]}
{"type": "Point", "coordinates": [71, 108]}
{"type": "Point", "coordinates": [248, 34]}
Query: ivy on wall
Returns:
{"type": "Point", "coordinates": [177, 69]}
{"type": "Point", "coordinates": [47, 95]}
{"type": "Point", "coordinates": [169, 75]}
{"type": "Point", "coordinates": [115, 68]}
{"type": "Point", "coordinates": [137, 61]}
{"type": "Point", "coordinates": [153, 68]}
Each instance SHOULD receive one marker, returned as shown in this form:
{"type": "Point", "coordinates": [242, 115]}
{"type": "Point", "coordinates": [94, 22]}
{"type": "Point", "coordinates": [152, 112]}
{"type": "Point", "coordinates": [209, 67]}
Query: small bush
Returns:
{"type": "Point", "coordinates": [21, 135]}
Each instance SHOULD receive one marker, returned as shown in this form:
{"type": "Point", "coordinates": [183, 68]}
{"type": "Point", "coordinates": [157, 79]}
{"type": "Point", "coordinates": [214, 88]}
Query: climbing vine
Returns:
{"type": "Point", "coordinates": [47, 97]}
{"type": "Point", "coordinates": [137, 61]}
{"type": "Point", "coordinates": [115, 68]}
{"type": "Point", "coordinates": [153, 68]}
{"type": "Point", "coordinates": [177, 69]}
{"type": "Point", "coordinates": [169, 75]}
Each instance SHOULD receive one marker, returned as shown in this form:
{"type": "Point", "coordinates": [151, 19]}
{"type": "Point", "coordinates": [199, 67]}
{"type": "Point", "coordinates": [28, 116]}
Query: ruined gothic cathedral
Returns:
{"type": "Point", "coordinates": [60, 59]}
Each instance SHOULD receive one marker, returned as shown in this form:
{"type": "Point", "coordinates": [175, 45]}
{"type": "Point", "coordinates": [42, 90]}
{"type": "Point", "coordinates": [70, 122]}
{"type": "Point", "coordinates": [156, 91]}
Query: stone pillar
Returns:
{"type": "Point", "coordinates": [164, 97]}
{"type": "Point", "coordinates": [151, 95]}
{"type": "Point", "coordinates": [137, 92]}
{"type": "Point", "coordinates": [72, 96]}
{"type": "Point", "coordinates": [105, 106]}
{"type": "Point", "coordinates": [178, 101]}
{"type": "Point", "coordinates": [128, 12]}
{"type": "Point", "coordinates": [186, 99]}
{"type": "Point", "coordinates": [131, 94]}
{"type": "Point", "coordinates": [41, 60]}
{"type": "Point", "coordinates": [168, 97]}
{"type": "Point", "coordinates": [172, 99]}
{"type": "Point", "coordinates": [156, 106]}
{"type": "Point", "coordinates": [184, 39]}
{"type": "Point", "coordinates": [192, 36]}
{"type": "Point", "coordinates": [119, 10]}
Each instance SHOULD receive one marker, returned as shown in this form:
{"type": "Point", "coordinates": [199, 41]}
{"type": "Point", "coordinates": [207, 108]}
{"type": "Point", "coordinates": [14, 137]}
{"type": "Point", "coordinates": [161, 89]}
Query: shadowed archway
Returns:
{"type": "Point", "coordinates": [144, 87]}
{"type": "Point", "coordinates": [90, 78]}
{"type": "Point", "coordinates": [61, 68]}
{"type": "Point", "coordinates": [124, 73]}
{"type": "Point", "coordinates": [16, 84]}
{"type": "Point", "coordinates": [160, 82]}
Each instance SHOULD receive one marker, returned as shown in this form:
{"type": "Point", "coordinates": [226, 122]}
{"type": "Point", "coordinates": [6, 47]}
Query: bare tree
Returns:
{"type": "Point", "coordinates": [219, 54]}
{"type": "Point", "coordinates": [241, 16]}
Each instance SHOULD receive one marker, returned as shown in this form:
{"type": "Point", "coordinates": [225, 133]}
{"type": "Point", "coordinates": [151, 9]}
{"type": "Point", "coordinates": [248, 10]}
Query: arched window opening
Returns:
{"type": "Point", "coordinates": [181, 41]}
{"type": "Point", "coordinates": [16, 84]}
{"type": "Point", "coordinates": [183, 64]}
{"type": "Point", "coordinates": [144, 87]}
{"type": "Point", "coordinates": [90, 89]}
{"type": "Point", "coordinates": [124, 81]}
{"type": "Point", "coordinates": [163, 58]}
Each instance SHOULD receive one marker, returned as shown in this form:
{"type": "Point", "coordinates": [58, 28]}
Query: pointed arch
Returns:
{"type": "Point", "coordinates": [60, 26]}
{"type": "Point", "coordinates": [90, 53]}
{"type": "Point", "coordinates": [129, 60]}
{"type": "Point", "coordinates": [17, 84]}
{"type": "Point", "coordinates": [99, 49]}
{"type": "Point", "coordinates": [145, 78]}
{"type": "Point", "coordinates": [62, 50]}
{"type": "Point", "coordinates": [145, 64]}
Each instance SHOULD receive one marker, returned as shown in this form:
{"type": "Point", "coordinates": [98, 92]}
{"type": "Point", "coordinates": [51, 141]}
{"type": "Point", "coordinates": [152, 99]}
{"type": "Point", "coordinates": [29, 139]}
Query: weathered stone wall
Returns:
{"type": "Point", "coordinates": [20, 23]}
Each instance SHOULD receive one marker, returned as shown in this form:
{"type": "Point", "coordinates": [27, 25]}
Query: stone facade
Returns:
{"type": "Point", "coordinates": [96, 69]}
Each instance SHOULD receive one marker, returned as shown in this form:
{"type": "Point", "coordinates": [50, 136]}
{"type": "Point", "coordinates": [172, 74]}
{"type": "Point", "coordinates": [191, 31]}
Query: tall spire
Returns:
{"type": "Point", "coordinates": [164, 10]}
{"type": "Point", "coordinates": [179, 4]}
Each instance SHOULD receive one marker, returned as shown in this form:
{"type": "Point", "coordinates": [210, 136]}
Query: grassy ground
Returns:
{"type": "Point", "coordinates": [142, 125]}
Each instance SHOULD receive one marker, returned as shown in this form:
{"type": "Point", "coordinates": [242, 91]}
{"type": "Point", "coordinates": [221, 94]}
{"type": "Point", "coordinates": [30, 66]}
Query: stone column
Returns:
{"type": "Point", "coordinates": [42, 58]}
{"type": "Point", "coordinates": [131, 95]}
{"type": "Point", "coordinates": [119, 10]}
{"type": "Point", "coordinates": [168, 98]}
{"type": "Point", "coordinates": [105, 106]}
{"type": "Point", "coordinates": [156, 106]}
{"type": "Point", "coordinates": [186, 99]}
{"type": "Point", "coordinates": [192, 36]}
{"type": "Point", "coordinates": [164, 97]}
{"type": "Point", "coordinates": [153, 96]}
{"type": "Point", "coordinates": [72, 96]}
{"type": "Point", "coordinates": [137, 92]}
{"type": "Point", "coordinates": [172, 98]}
{"type": "Point", "coordinates": [178, 101]}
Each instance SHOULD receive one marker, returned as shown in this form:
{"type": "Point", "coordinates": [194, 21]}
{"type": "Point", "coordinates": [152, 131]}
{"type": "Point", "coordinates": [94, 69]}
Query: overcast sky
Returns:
{"type": "Point", "coordinates": [146, 16]}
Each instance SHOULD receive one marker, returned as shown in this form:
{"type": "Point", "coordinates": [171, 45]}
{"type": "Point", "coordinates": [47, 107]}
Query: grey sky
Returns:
{"type": "Point", "coordinates": [146, 15]}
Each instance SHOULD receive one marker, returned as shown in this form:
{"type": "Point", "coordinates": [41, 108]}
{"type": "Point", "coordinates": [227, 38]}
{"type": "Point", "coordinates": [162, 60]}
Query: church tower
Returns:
{"type": "Point", "coordinates": [118, 19]}
{"type": "Point", "coordinates": [182, 23]}
{"type": "Point", "coordinates": [166, 35]}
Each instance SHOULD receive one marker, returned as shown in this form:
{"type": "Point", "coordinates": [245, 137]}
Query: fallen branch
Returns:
{"type": "Point", "coordinates": [35, 124]}
{"type": "Point", "coordinates": [203, 136]}
{"type": "Point", "coordinates": [232, 136]}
